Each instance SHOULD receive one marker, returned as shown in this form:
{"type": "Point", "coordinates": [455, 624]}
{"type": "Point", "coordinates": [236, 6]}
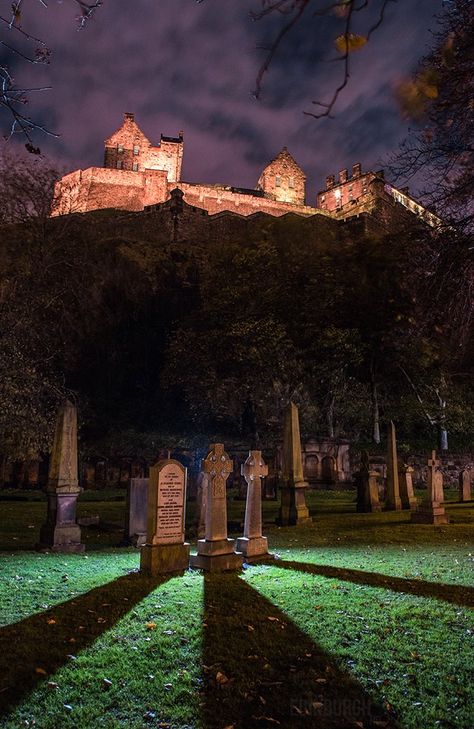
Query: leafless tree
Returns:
{"type": "Point", "coordinates": [348, 41]}
{"type": "Point", "coordinates": [20, 43]}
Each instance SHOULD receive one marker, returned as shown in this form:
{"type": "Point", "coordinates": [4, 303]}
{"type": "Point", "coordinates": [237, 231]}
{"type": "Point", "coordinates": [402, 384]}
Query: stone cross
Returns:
{"type": "Point", "coordinates": [216, 553]}
{"type": "Point", "coordinates": [392, 498]}
{"type": "Point", "coordinates": [465, 485]}
{"type": "Point", "coordinates": [61, 533]}
{"type": "Point", "coordinates": [431, 510]}
{"type": "Point", "coordinates": [253, 545]}
{"type": "Point", "coordinates": [293, 509]}
{"type": "Point", "coordinates": [218, 467]}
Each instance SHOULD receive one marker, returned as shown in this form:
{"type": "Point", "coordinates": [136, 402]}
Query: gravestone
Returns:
{"type": "Point", "coordinates": [165, 549]}
{"type": "Point", "coordinates": [393, 501]}
{"type": "Point", "coordinates": [253, 545]}
{"type": "Point", "coordinates": [293, 509]}
{"type": "Point", "coordinates": [431, 509]}
{"type": "Point", "coordinates": [367, 487]}
{"type": "Point", "coordinates": [60, 532]}
{"type": "Point", "coordinates": [215, 553]}
{"type": "Point", "coordinates": [136, 513]}
{"type": "Point", "coordinates": [201, 496]}
{"type": "Point", "coordinates": [465, 485]}
{"type": "Point", "coordinates": [407, 493]}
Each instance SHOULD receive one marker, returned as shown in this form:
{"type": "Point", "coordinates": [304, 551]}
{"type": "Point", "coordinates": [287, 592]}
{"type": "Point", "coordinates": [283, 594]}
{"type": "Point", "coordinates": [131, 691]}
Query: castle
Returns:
{"type": "Point", "coordinates": [137, 175]}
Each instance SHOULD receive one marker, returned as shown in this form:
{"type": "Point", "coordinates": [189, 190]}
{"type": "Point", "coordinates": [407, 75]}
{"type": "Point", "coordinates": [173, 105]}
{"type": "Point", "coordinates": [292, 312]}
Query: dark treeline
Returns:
{"type": "Point", "coordinates": [177, 336]}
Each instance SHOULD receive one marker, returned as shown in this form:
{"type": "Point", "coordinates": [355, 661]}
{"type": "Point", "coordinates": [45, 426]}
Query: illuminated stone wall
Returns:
{"type": "Point", "coordinates": [283, 180]}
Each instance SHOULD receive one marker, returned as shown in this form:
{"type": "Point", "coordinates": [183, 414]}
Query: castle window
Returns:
{"type": "Point", "coordinates": [119, 164]}
{"type": "Point", "coordinates": [291, 182]}
{"type": "Point", "coordinates": [136, 150]}
{"type": "Point", "coordinates": [135, 167]}
{"type": "Point", "coordinates": [119, 147]}
{"type": "Point", "coordinates": [277, 181]}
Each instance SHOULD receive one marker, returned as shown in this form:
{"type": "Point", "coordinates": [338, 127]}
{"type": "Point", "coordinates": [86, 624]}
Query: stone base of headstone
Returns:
{"type": "Point", "coordinates": [64, 538]}
{"type": "Point", "coordinates": [216, 556]}
{"type": "Point", "coordinates": [253, 549]}
{"type": "Point", "coordinates": [293, 509]}
{"type": "Point", "coordinates": [136, 540]}
{"type": "Point", "coordinates": [431, 513]}
{"type": "Point", "coordinates": [60, 532]}
{"type": "Point", "coordinates": [161, 559]}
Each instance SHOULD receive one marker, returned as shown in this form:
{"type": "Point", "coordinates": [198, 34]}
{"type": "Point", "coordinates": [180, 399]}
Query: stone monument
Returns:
{"type": "Point", "coordinates": [367, 486]}
{"type": "Point", "coordinates": [253, 545]}
{"type": "Point", "coordinates": [293, 509]}
{"type": "Point", "coordinates": [393, 501]}
{"type": "Point", "coordinates": [431, 509]}
{"type": "Point", "coordinates": [165, 549]}
{"type": "Point", "coordinates": [215, 553]}
{"type": "Point", "coordinates": [407, 493]}
{"type": "Point", "coordinates": [136, 513]}
{"type": "Point", "coordinates": [60, 532]}
{"type": "Point", "coordinates": [465, 485]}
{"type": "Point", "coordinates": [201, 496]}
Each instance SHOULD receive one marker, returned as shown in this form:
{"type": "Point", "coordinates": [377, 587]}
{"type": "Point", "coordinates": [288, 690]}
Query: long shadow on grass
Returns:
{"type": "Point", "coordinates": [37, 646]}
{"type": "Point", "coordinates": [457, 594]}
{"type": "Point", "coordinates": [261, 670]}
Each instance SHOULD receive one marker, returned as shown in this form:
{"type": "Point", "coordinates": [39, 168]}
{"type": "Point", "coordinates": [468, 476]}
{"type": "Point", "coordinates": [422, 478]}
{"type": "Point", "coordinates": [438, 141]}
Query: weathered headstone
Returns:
{"type": "Point", "coordinates": [215, 553]}
{"type": "Point", "coordinates": [392, 494]}
{"type": "Point", "coordinates": [60, 532]}
{"type": "Point", "coordinates": [253, 545]}
{"type": "Point", "coordinates": [431, 509]}
{"type": "Point", "coordinates": [201, 497]}
{"type": "Point", "coordinates": [407, 493]}
{"type": "Point", "coordinates": [367, 486]}
{"type": "Point", "coordinates": [293, 509]}
{"type": "Point", "coordinates": [165, 549]}
{"type": "Point", "coordinates": [465, 485]}
{"type": "Point", "coordinates": [136, 513]}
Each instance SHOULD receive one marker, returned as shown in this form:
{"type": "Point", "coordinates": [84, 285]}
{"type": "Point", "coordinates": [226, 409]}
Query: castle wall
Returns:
{"type": "Point", "coordinates": [98, 187]}
{"type": "Point", "coordinates": [217, 199]}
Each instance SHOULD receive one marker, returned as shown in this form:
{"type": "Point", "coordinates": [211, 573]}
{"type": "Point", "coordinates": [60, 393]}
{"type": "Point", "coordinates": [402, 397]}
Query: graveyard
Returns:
{"type": "Point", "coordinates": [350, 611]}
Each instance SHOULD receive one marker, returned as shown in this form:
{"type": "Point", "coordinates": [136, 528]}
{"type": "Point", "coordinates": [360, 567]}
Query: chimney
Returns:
{"type": "Point", "coordinates": [329, 182]}
{"type": "Point", "coordinates": [357, 170]}
{"type": "Point", "coordinates": [129, 116]}
{"type": "Point", "coordinates": [343, 176]}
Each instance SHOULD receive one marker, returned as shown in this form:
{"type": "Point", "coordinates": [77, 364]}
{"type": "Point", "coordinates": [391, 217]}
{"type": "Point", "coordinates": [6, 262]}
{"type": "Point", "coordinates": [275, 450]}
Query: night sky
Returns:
{"type": "Point", "coordinates": [182, 65]}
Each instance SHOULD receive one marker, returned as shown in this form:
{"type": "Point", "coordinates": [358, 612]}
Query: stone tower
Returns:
{"type": "Point", "coordinates": [129, 149]}
{"type": "Point", "coordinates": [283, 180]}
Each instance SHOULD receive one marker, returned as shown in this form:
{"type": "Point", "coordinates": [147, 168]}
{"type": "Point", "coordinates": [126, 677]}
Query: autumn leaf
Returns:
{"type": "Point", "coordinates": [40, 671]}
{"type": "Point", "coordinates": [51, 621]}
{"type": "Point", "coordinates": [150, 626]}
{"type": "Point", "coordinates": [350, 42]}
{"type": "Point", "coordinates": [221, 678]}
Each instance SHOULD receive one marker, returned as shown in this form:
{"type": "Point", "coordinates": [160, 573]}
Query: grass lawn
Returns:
{"type": "Point", "coordinates": [365, 620]}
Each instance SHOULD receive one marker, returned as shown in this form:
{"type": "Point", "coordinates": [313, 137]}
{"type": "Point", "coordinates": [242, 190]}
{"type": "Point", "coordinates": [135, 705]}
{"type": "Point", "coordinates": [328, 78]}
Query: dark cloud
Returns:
{"type": "Point", "coordinates": [185, 66]}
